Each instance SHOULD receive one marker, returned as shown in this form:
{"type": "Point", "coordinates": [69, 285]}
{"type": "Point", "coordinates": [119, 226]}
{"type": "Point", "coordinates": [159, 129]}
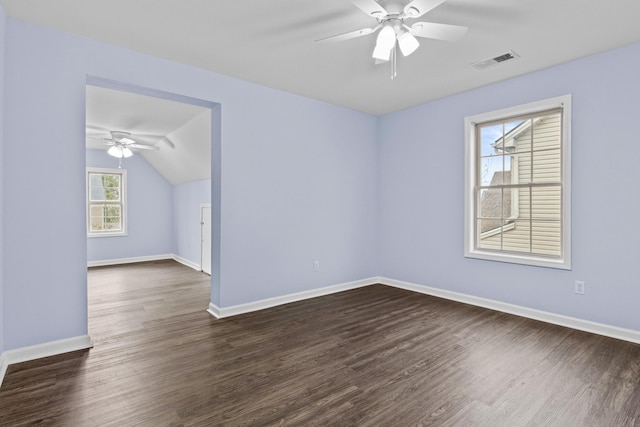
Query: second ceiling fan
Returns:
{"type": "Point", "coordinates": [121, 143]}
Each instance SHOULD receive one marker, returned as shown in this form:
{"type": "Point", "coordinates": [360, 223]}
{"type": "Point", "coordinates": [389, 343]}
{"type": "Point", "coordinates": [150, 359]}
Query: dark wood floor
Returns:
{"type": "Point", "coordinates": [375, 356]}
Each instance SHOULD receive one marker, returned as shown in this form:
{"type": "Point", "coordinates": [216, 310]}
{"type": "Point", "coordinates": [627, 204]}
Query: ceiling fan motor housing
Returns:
{"type": "Point", "coordinates": [118, 135]}
{"type": "Point", "coordinates": [393, 7]}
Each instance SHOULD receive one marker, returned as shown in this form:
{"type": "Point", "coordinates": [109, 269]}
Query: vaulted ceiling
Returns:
{"type": "Point", "coordinates": [273, 42]}
{"type": "Point", "coordinates": [180, 133]}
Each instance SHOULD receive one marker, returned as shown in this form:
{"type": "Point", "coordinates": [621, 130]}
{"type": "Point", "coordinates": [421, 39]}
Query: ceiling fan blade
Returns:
{"type": "Point", "coordinates": [417, 8]}
{"type": "Point", "coordinates": [143, 147]}
{"type": "Point", "coordinates": [146, 139]}
{"type": "Point", "coordinates": [95, 129]}
{"type": "Point", "coordinates": [104, 140]}
{"type": "Point", "coordinates": [371, 8]}
{"type": "Point", "coordinates": [99, 136]}
{"type": "Point", "coordinates": [168, 142]}
{"type": "Point", "coordinates": [432, 30]}
{"type": "Point", "coordinates": [350, 35]}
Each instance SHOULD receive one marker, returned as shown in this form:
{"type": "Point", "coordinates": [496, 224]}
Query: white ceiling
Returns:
{"type": "Point", "coordinates": [187, 155]}
{"type": "Point", "coordinates": [272, 42]}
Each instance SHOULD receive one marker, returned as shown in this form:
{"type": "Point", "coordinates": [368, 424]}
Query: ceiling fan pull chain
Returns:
{"type": "Point", "coordinates": [393, 63]}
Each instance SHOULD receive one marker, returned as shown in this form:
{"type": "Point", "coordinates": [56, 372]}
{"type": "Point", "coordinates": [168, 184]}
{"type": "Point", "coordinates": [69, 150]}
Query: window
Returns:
{"type": "Point", "coordinates": [106, 202]}
{"type": "Point", "coordinates": [517, 184]}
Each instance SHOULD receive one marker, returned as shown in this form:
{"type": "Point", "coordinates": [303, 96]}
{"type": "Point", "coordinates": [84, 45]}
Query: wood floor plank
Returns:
{"type": "Point", "coordinates": [375, 356]}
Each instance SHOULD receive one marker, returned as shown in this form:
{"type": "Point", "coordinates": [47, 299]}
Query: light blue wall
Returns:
{"type": "Point", "coordinates": [2, 310]}
{"type": "Point", "coordinates": [421, 193]}
{"type": "Point", "coordinates": [149, 212]}
{"type": "Point", "coordinates": [302, 180]}
{"type": "Point", "coordinates": [298, 181]}
{"type": "Point", "coordinates": [304, 192]}
{"type": "Point", "coordinates": [187, 199]}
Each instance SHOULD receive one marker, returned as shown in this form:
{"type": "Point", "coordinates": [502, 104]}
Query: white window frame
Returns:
{"type": "Point", "coordinates": [471, 147]}
{"type": "Point", "coordinates": [123, 202]}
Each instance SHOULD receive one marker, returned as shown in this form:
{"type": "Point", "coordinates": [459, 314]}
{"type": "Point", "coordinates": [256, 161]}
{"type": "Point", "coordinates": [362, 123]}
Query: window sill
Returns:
{"type": "Point", "coordinates": [89, 235]}
{"type": "Point", "coordinates": [559, 263]}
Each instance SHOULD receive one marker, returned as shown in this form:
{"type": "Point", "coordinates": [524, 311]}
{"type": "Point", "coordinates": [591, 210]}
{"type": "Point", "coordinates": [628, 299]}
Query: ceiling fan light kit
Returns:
{"type": "Point", "coordinates": [120, 151]}
{"type": "Point", "coordinates": [407, 42]}
{"type": "Point", "coordinates": [120, 143]}
{"type": "Point", "coordinates": [384, 43]}
{"type": "Point", "coordinates": [391, 16]}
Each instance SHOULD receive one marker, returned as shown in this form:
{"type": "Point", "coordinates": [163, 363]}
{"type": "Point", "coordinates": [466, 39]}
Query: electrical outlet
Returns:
{"type": "Point", "coordinates": [316, 265]}
{"type": "Point", "coordinates": [579, 287]}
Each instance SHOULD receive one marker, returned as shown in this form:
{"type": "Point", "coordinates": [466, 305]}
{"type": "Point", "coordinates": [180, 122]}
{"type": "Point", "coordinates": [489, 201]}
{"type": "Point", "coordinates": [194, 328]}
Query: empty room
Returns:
{"type": "Point", "coordinates": [358, 213]}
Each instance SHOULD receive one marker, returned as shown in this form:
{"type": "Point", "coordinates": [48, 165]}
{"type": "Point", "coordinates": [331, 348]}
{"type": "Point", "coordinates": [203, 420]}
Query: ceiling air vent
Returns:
{"type": "Point", "coordinates": [486, 63]}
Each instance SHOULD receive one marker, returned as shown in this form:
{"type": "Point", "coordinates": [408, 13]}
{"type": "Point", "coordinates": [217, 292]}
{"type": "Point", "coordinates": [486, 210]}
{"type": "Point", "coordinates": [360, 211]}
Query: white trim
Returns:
{"type": "Point", "coordinates": [186, 262]}
{"type": "Point", "coordinates": [214, 310]}
{"type": "Point", "coordinates": [131, 260]}
{"type": "Point", "coordinates": [3, 367]}
{"type": "Point", "coordinates": [46, 349]}
{"type": "Point", "coordinates": [123, 201]}
{"type": "Point", "coordinates": [203, 206]}
{"type": "Point", "coordinates": [530, 313]}
{"type": "Point", "coordinates": [470, 172]}
{"type": "Point", "coordinates": [107, 234]}
{"type": "Point", "coordinates": [221, 312]}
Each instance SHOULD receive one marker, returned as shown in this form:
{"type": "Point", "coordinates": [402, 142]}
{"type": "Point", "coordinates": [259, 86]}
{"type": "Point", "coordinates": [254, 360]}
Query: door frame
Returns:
{"type": "Point", "coordinates": [203, 206]}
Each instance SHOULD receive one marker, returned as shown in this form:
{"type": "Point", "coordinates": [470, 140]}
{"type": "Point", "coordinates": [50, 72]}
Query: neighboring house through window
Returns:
{"type": "Point", "coordinates": [106, 202]}
{"type": "Point", "coordinates": [517, 201]}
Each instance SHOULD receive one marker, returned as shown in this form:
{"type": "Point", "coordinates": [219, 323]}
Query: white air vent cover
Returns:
{"type": "Point", "coordinates": [486, 63]}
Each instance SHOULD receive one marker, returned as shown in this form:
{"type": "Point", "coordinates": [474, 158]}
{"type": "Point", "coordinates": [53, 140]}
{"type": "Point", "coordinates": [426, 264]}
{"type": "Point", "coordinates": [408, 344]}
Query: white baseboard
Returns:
{"type": "Point", "coordinates": [214, 310]}
{"type": "Point", "coordinates": [130, 260]}
{"type": "Point", "coordinates": [38, 351]}
{"type": "Point", "coordinates": [221, 312]}
{"type": "Point", "coordinates": [3, 367]}
{"type": "Point", "coordinates": [186, 262]}
{"type": "Point", "coordinates": [544, 316]}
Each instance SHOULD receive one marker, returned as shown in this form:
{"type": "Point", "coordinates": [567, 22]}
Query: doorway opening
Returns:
{"type": "Point", "coordinates": [168, 145]}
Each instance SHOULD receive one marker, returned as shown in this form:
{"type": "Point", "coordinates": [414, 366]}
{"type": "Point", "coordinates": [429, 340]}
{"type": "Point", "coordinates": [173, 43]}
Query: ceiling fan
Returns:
{"type": "Point", "coordinates": [120, 142]}
{"type": "Point", "coordinates": [391, 16]}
